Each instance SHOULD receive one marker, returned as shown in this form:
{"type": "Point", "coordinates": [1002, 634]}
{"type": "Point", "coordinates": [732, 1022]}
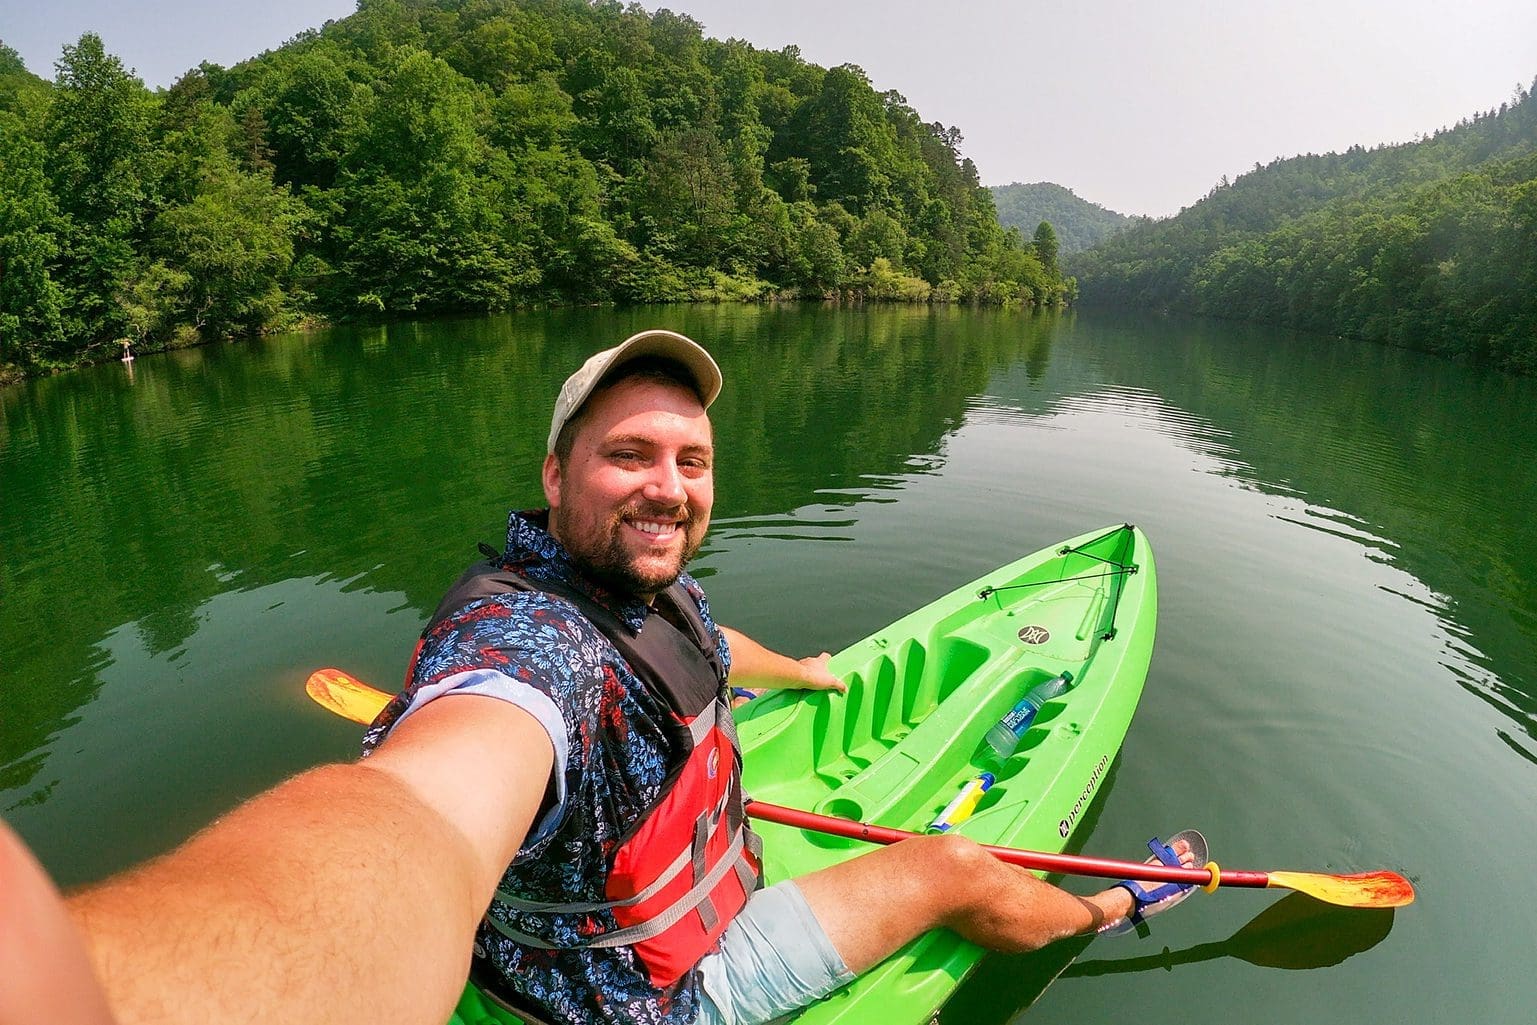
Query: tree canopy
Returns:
{"type": "Point", "coordinates": [1429, 245]}
{"type": "Point", "coordinates": [471, 155]}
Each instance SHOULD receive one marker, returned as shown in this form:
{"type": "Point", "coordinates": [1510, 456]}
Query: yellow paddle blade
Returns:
{"type": "Point", "coordinates": [1362, 890]}
{"type": "Point", "coordinates": [345, 695]}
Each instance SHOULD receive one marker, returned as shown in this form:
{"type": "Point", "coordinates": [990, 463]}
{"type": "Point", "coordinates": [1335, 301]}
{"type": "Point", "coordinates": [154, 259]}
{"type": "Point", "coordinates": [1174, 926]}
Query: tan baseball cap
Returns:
{"type": "Point", "coordinates": [667, 344]}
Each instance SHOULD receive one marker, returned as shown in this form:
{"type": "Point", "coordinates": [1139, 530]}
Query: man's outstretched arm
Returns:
{"type": "Point", "coordinates": [752, 664]}
{"type": "Point", "coordinates": [344, 890]}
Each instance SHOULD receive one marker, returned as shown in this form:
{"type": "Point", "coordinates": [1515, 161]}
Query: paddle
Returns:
{"type": "Point", "coordinates": [1362, 890]}
{"type": "Point", "coordinates": [352, 699]}
{"type": "Point", "coordinates": [345, 695]}
{"type": "Point", "coordinates": [1294, 933]}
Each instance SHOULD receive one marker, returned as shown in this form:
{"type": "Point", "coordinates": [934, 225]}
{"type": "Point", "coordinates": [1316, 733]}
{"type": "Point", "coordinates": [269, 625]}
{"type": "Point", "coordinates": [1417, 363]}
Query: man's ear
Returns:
{"type": "Point", "coordinates": [551, 478]}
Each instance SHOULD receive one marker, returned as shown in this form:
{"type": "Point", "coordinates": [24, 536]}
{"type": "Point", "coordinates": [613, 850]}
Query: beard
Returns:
{"type": "Point", "coordinates": [602, 555]}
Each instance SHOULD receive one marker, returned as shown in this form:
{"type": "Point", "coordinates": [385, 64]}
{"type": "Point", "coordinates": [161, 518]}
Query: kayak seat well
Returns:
{"type": "Point", "coordinates": [893, 698]}
{"type": "Point", "coordinates": [902, 784]}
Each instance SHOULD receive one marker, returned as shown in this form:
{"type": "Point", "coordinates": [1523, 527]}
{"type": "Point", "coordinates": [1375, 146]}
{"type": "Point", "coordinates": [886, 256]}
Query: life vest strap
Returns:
{"type": "Point", "coordinates": [684, 858]}
{"type": "Point", "coordinates": [652, 926]}
{"type": "Point", "coordinates": [702, 828]}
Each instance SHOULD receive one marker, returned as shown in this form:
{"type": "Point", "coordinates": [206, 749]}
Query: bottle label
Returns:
{"type": "Point", "coordinates": [1019, 717]}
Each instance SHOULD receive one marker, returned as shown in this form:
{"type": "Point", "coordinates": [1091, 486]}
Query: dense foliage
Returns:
{"type": "Point", "coordinates": [467, 155]}
{"type": "Point", "coordinates": [1079, 223]}
{"type": "Point", "coordinates": [1429, 245]}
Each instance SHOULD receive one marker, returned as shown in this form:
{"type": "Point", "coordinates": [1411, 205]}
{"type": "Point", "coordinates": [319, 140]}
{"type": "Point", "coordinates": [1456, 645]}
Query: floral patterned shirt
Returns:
{"type": "Point", "coordinates": [612, 755]}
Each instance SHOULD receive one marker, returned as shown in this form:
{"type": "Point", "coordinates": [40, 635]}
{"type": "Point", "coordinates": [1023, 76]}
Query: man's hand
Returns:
{"type": "Point", "coordinates": [816, 676]}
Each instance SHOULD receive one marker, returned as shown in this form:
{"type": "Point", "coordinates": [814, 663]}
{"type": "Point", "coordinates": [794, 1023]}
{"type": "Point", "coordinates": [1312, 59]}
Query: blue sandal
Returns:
{"type": "Point", "coordinates": [1160, 898]}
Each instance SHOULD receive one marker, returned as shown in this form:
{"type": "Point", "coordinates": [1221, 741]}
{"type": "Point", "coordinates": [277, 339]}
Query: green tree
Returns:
{"type": "Point", "coordinates": [686, 196]}
{"type": "Point", "coordinates": [21, 92]}
{"type": "Point", "coordinates": [1045, 245]}
{"type": "Point", "coordinates": [1078, 223]}
{"type": "Point", "coordinates": [878, 235]}
{"type": "Point", "coordinates": [1413, 245]}
{"type": "Point", "coordinates": [844, 134]}
{"type": "Point", "coordinates": [313, 110]}
{"type": "Point", "coordinates": [427, 155]}
{"type": "Point", "coordinates": [234, 241]}
{"type": "Point", "coordinates": [422, 228]}
{"type": "Point", "coordinates": [98, 138]}
{"type": "Point", "coordinates": [505, 50]}
{"type": "Point", "coordinates": [616, 125]}
{"type": "Point", "coordinates": [31, 305]}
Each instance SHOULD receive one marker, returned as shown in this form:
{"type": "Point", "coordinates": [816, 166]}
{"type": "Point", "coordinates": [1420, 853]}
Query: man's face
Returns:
{"type": "Point", "coordinates": [632, 502]}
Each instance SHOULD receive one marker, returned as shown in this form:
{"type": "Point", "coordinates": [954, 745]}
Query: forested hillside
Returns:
{"type": "Point", "coordinates": [465, 155]}
{"type": "Point", "coordinates": [1429, 245]}
{"type": "Point", "coordinates": [1078, 223]}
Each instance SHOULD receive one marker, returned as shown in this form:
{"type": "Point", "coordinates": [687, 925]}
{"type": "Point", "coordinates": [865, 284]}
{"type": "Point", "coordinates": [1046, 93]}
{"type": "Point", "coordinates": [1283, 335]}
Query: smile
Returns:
{"type": "Point", "coordinates": [656, 529]}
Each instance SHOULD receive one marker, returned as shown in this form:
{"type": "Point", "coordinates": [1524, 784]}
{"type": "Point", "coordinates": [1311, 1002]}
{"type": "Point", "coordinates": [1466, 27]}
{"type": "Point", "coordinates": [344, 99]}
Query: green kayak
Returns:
{"type": "Point", "coordinates": [923, 693]}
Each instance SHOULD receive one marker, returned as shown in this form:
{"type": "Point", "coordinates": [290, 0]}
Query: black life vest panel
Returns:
{"type": "Point", "coordinates": [686, 867]}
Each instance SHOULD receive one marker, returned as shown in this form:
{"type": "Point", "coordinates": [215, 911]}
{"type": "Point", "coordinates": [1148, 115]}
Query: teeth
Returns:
{"type": "Point", "coordinates": [652, 528]}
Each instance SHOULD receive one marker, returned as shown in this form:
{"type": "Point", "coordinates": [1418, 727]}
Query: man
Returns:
{"type": "Point", "coordinates": [45, 974]}
{"type": "Point", "coordinates": [524, 757]}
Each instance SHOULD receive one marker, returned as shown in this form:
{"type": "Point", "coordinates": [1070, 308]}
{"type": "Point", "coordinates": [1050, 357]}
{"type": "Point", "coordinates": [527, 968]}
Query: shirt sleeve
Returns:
{"type": "Point", "coordinates": [492, 683]}
{"type": "Point", "coordinates": [531, 650]}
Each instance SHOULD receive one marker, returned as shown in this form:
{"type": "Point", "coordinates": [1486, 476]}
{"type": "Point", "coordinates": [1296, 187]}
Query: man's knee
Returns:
{"type": "Point", "coordinates": [957, 862]}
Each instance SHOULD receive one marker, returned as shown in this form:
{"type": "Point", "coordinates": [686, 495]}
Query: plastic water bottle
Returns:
{"type": "Point", "coordinates": [1003, 738]}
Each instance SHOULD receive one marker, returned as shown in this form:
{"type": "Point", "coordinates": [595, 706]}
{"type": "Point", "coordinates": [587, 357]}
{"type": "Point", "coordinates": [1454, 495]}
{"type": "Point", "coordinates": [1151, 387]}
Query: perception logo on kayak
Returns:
{"type": "Point", "coordinates": [1035, 635]}
{"type": "Point", "coordinates": [1065, 827]}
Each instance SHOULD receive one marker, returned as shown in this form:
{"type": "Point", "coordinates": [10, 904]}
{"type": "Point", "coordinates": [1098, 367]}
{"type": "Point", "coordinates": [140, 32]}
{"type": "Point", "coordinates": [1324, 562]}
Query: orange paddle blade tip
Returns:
{"type": "Point", "coordinates": [346, 696]}
{"type": "Point", "coordinates": [1362, 890]}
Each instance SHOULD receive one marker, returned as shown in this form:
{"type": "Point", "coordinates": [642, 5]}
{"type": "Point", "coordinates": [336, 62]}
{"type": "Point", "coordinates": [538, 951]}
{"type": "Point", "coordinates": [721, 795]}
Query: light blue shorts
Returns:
{"type": "Point", "coordinates": [773, 959]}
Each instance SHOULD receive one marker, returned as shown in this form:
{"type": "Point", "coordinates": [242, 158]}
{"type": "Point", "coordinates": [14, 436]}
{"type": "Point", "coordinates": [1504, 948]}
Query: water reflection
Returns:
{"type": "Point", "coordinates": [1342, 533]}
{"type": "Point", "coordinates": [1296, 933]}
{"type": "Point", "coordinates": [366, 451]}
{"type": "Point", "coordinates": [1422, 455]}
{"type": "Point", "coordinates": [175, 736]}
{"type": "Point", "coordinates": [382, 453]}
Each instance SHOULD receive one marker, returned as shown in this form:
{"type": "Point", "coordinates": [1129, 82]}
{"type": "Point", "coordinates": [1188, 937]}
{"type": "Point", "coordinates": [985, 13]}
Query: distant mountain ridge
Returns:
{"type": "Point", "coordinates": [1079, 223]}
{"type": "Point", "coordinates": [17, 84]}
{"type": "Point", "coordinates": [1429, 245]}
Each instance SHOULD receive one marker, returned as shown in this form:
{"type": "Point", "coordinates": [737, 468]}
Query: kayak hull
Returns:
{"type": "Point", "coordinates": [922, 694]}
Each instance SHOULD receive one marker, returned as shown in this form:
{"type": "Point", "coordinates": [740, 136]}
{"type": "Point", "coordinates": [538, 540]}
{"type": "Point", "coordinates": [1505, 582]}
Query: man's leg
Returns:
{"type": "Point", "coordinates": [801, 939]}
{"type": "Point", "coordinates": [871, 905]}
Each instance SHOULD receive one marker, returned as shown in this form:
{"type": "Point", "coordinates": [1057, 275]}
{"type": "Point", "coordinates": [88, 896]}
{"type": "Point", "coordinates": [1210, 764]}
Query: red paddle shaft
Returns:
{"type": "Point", "coordinates": [1067, 864]}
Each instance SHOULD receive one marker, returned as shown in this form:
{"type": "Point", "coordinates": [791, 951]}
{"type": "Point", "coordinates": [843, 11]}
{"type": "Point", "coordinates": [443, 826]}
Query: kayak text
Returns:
{"type": "Point", "coordinates": [1065, 827]}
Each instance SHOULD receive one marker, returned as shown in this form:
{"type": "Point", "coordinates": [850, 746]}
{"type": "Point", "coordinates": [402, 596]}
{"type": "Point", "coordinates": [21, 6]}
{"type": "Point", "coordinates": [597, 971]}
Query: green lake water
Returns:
{"type": "Point", "coordinates": [1346, 669]}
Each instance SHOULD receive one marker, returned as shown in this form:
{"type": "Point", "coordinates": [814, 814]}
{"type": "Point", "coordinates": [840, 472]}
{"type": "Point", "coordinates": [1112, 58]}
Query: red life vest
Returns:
{"type": "Point", "coordinates": [686, 867]}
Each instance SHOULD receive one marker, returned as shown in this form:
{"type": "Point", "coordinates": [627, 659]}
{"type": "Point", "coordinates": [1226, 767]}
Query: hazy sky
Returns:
{"type": "Point", "coordinates": [1140, 105]}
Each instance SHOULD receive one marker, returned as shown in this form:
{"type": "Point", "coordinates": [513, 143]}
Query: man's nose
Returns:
{"type": "Point", "coordinates": [666, 484]}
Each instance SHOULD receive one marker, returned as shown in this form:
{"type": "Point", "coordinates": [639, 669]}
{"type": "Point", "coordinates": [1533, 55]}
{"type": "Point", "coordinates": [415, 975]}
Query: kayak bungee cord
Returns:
{"type": "Point", "coordinates": [1120, 570]}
